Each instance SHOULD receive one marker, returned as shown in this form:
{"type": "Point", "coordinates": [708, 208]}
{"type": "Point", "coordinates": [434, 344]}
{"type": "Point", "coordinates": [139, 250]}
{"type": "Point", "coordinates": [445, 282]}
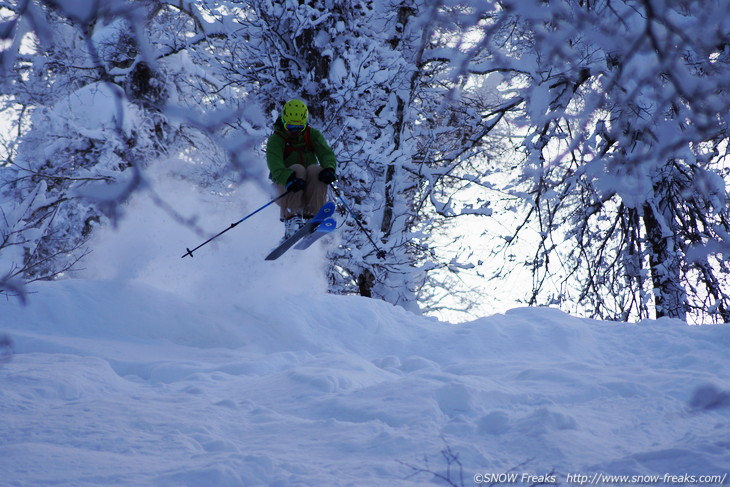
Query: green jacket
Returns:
{"type": "Point", "coordinates": [279, 158]}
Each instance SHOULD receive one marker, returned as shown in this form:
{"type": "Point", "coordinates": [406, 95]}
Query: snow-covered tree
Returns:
{"type": "Point", "coordinates": [341, 59]}
{"type": "Point", "coordinates": [617, 111]}
{"type": "Point", "coordinates": [625, 124]}
{"type": "Point", "coordinates": [68, 163]}
{"type": "Point", "coordinates": [71, 166]}
{"type": "Point", "coordinates": [375, 78]}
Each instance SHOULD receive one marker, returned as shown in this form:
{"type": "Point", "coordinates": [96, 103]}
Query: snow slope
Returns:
{"type": "Point", "coordinates": [224, 370]}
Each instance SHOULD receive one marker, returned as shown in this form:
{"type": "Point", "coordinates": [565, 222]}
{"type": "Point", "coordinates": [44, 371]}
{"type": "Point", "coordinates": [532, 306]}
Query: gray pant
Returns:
{"type": "Point", "coordinates": [303, 203]}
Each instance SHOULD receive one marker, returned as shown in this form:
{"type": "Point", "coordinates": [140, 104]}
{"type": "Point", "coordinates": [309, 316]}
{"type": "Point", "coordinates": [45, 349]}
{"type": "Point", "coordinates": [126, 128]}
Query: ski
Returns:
{"type": "Point", "coordinates": [325, 212]}
{"type": "Point", "coordinates": [324, 228]}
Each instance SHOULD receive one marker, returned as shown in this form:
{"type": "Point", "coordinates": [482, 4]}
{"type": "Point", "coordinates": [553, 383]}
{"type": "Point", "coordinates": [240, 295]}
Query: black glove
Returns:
{"type": "Point", "coordinates": [327, 176]}
{"type": "Point", "coordinates": [294, 184]}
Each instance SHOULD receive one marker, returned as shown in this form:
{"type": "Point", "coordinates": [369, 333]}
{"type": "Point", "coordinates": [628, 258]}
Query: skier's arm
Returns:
{"type": "Point", "coordinates": [325, 154]}
{"type": "Point", "coordinates": [275, 160]}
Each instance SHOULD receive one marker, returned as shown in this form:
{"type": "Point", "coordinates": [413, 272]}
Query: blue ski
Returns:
{"type": "Point", "coordinates": [324, 228]}
{"type": "Point", "coordinates": [324, 213]}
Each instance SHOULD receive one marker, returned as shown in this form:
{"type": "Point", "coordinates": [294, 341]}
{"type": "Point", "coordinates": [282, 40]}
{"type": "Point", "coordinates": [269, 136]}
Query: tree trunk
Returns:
{"type": "Point", "coordinates": [669, 295]}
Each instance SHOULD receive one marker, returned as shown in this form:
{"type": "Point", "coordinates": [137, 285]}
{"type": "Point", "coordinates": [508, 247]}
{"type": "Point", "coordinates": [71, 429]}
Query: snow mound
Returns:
{"type": "Point", "coordinates": [122, 383]}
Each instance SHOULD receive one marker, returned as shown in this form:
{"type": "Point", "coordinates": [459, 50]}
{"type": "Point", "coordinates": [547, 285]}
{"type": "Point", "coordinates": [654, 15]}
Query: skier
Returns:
{"type": "Point", "coordinates": [301, 163]}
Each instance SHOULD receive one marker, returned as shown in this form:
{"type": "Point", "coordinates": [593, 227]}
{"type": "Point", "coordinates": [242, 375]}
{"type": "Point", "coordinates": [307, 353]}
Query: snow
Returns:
{"type": "Point", "coordinates": [109, 110]}
{"type": "Point", "coordinates": [226, 370]}
{"type": "Point", "coordinates": [338, 71]}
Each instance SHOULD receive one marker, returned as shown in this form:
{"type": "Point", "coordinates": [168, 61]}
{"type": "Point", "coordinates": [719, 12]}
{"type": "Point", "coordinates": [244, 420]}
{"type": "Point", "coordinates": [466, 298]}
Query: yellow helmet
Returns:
{"type": "Point", "coordinates": [295, 113]}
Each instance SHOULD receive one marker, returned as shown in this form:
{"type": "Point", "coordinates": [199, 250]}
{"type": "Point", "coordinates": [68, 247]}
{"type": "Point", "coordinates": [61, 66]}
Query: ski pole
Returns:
{"type": "Point", "coordinates": [190, 252]}
{"type": "Point", "coordinates": [380, 253]}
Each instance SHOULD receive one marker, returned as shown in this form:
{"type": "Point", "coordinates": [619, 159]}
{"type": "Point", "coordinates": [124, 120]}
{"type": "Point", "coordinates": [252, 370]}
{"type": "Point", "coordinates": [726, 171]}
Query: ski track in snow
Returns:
{"type": "Point", "coordinates": [223, 371]}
